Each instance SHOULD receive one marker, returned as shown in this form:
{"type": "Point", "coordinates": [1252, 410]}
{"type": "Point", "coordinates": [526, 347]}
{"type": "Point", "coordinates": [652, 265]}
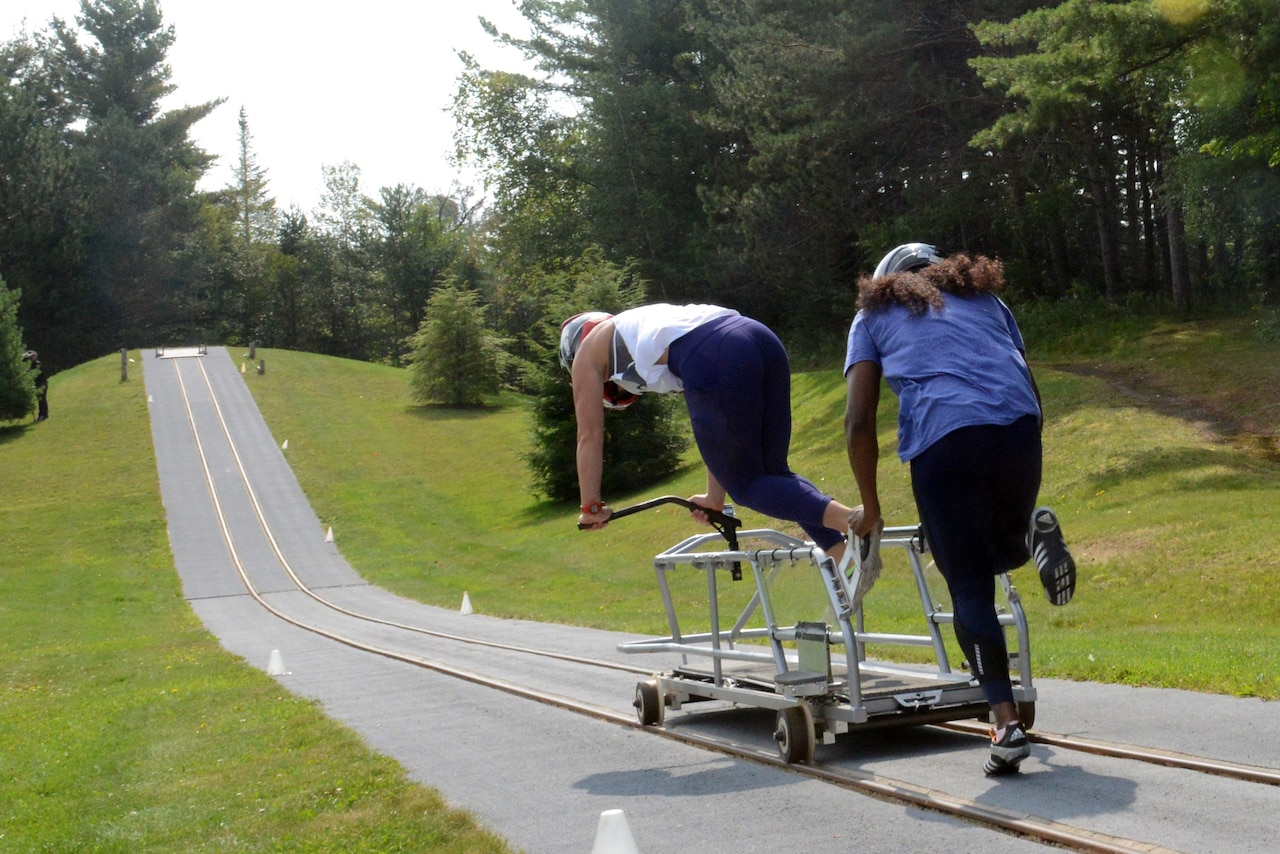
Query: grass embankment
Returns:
{"type": "Point", "coordinates": [124, 726]}
{"type": "Point", "coordinates": [1174, 532]}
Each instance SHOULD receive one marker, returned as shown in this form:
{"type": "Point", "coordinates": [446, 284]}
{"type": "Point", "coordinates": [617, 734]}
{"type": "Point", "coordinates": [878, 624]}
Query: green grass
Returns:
{"type": "Point", "coordinates": [123, 725]}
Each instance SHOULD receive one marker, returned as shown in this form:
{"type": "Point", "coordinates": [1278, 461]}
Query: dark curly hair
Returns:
{"type": "Point", "coordinates": [922, 288]}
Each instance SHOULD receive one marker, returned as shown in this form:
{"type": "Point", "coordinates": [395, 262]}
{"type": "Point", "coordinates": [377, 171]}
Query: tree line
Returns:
{"type": "Point", "coordinates": [756, 153]}
{"type": "Point", "coordinates": [110, 244]}
{"type": "Point", "coordinates": [764, 153]}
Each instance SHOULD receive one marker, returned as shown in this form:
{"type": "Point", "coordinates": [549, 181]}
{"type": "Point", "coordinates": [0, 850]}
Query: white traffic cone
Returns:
{"type": "Point", "coordinates": [613, 836]}
{"type": "Point", "coordinates": [285, 446]}
{"type": "Point", "coordinates": [275, 664]}
{"type": "Point", "coordinates": [466, 603]}
{"type": "Point", "coordinates": [328, 538]}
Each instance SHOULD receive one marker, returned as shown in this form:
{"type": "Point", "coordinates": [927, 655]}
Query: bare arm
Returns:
{"type": "Point", "coordinates": [588, 372]}
{"type": "Point", "coordinates": [861, 442]}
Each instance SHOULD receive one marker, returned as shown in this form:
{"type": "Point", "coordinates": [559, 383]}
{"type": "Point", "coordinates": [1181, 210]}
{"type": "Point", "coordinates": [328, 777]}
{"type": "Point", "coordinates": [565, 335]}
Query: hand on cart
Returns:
{"type": "Point", "coordinates": [862, 523]}
{"type": "Point", "coordinates": [703, 506]}
{"type": "Point", "coordinates": [723, 522]}
{"type": "Point", "coordinates": [594, 516]}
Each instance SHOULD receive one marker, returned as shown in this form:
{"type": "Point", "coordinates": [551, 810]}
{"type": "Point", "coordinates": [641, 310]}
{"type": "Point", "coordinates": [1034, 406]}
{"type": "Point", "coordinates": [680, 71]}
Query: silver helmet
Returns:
{"type": "Point", "coordinates": [573, 330]}
{"type": "Point", "coordinates": [908, 256]}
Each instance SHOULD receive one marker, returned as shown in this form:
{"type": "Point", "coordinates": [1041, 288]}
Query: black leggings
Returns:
{"type": "Point", "coordinates": [975, 489]}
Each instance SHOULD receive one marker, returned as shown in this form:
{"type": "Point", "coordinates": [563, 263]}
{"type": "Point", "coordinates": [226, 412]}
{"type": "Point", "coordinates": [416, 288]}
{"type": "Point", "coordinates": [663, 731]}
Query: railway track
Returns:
{"type": "Point", "coordinates": [340, 622]}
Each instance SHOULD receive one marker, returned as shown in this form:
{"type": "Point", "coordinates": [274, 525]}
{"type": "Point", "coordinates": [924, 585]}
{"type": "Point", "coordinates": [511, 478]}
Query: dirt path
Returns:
{"type": "Point", "coordinates": [1210, 420]}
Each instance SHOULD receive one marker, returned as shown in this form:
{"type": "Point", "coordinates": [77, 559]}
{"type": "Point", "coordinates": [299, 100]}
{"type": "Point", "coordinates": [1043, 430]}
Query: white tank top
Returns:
{"type": "Point", "coordinates": [640, 337]}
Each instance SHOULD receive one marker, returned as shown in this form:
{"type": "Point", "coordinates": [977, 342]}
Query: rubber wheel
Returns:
{"type": "Point", "coordinates": [1027, 714]}
{"type": "Point", "coordinates": [794, 734]}
{"type": "Point", "coordinates": [648, 703]}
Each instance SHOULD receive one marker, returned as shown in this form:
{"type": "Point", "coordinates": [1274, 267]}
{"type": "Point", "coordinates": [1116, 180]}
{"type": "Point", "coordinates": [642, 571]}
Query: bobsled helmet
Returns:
{"type": "Point", "coordinates": [908, 256]}
{"type": "Point", "coordinates": [572, 331]}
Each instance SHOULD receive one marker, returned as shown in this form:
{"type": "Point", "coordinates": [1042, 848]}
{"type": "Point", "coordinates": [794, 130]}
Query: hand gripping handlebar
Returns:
{"type": "Point", "coordinates": [724, 523]}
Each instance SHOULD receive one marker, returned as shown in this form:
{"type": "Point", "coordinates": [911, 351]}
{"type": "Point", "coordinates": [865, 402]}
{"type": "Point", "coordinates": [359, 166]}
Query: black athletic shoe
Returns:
{"type": "Point", "coordinates": [1009, 747]}
{"type": "Point", "coordinates": [1057, 567]}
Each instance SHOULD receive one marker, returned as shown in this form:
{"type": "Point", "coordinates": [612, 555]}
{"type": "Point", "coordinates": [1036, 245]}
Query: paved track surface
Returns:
{"type": "Point", "coordinates": [541, 776]}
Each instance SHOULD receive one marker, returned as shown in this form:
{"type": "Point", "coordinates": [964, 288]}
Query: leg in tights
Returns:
{"type": "Point", "coordinates": [737, 385]}
{"type": "Point", "coordinates": [975, 489]}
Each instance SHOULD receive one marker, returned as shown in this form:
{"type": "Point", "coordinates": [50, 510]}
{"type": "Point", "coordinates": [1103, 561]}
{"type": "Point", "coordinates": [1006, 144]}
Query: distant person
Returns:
{"type": "Point", "coordinates": [969, 425]}
{"type": "Point", "coordinates": [736, 381]}
{"type": "Point", "coordinates": [42, 385]}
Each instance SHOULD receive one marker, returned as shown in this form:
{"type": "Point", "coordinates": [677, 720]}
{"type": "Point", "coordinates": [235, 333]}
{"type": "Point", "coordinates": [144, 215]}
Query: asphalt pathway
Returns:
{"type": "Point", "coordinates": [541, 776]}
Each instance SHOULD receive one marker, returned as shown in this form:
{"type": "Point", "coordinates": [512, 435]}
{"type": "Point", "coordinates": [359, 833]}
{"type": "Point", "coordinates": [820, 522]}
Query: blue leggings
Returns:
{"type": "Point", "coordinates": [737, 386]}
{"type": "Point", "coordinates": [975, 489]}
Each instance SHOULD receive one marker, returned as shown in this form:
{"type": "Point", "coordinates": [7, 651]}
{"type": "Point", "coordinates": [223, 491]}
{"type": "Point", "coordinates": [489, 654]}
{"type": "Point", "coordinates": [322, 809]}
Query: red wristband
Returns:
{"type": "Point", "coordinates": [593, 509]}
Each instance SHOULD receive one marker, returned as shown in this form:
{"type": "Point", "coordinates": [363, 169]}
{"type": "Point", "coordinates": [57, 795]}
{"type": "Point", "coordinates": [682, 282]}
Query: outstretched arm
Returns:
{"type": "Point", "coordinates": [861, 443]}
{"type": "Point", "coordinates": [589, 367]}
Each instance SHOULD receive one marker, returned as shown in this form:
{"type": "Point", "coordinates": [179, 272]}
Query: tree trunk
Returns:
{"type": "Point", "coordinates": [1179, 262]}
{"type": "Point", "coordinates": [1106, 230]}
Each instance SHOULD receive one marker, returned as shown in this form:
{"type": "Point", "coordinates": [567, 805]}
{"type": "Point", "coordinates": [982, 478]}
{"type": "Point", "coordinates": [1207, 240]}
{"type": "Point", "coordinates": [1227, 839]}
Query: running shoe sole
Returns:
{"type": "Point", "coordinates": [1008, 753]}
{"type": "Point", "coordinates": [1049, 549]}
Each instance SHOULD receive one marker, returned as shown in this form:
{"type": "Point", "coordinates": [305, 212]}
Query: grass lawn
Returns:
{"type": "Point", "coordinates": [124, 726]}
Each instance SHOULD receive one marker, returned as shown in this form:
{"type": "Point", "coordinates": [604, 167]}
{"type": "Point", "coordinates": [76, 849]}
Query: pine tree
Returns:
{"type": "Point", "coordinates": [17, 392]}
{"type": "Point", "coordinates": [452, 358]}
{"type": "Point", "coordinates": [255, 209]}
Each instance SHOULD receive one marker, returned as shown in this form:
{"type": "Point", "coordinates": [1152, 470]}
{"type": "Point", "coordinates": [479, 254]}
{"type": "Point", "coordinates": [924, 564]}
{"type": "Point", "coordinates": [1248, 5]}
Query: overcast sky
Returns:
{"type": "Point", "coordinates": [368, 82]}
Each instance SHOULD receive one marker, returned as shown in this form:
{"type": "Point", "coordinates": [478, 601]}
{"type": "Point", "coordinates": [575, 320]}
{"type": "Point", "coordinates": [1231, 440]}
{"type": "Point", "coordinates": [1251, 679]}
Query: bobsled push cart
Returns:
{"type": "Point", "coordinates": [814, 672]}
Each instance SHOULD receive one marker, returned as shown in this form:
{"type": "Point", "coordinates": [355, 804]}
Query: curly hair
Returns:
{"type": "Point", "coordinates": [922, 288]}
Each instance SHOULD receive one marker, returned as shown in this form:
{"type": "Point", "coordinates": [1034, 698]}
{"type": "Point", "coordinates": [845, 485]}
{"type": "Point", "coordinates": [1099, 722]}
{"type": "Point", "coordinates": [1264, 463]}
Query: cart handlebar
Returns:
{"type": "Point", "coordinates": [722, 522]}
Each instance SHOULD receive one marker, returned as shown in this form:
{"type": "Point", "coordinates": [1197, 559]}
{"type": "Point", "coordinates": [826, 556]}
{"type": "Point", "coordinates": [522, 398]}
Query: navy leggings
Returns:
{"type": "Point", "coordinates": [975, 489]}
{"type": "Point", "coordinates": [737, 386]}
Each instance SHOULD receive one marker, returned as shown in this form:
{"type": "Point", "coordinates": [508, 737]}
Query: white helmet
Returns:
{"type": "Point", "coordinates": [908, 256]}
{"type": "Point", "coordinates": [573, 330]}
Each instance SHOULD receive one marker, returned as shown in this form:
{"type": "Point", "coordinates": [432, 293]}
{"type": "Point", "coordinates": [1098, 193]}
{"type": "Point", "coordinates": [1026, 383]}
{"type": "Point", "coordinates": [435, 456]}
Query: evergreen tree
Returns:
{"type": "Point", "coordinates": [136, 162]}
{"type": "Point", "coordinates": [255, 208]}
{"type": "Point", "coordinates": [644, 443]}
{"type": "Point", "coordinates": [453, 358]}
{"type": "Point", "coordinates": [43, 206]}
{"type": "Point", "coordinates": [17, 392]}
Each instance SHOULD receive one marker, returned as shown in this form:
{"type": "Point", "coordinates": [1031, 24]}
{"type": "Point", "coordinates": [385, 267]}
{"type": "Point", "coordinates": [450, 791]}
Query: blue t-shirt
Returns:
{"type": "Point", "coordinates": [952, 367]}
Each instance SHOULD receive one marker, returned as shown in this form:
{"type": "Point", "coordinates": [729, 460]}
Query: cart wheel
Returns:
{"type": "Point", "coordinates": [648, 703]}
{"type": "Point", "coordinates": [1027, 714]}
{"type": "Point", "coordinates": [794, 734]}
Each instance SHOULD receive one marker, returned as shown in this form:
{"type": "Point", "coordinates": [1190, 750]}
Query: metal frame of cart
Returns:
{"type": "Point", "coordinates": [819, 684]}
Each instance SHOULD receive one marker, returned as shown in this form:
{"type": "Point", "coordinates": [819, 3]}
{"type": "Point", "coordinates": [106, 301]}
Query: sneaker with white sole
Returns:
{"type": "Point", "coordinates": [1009, 747]}
{"type": "Point", "coordinates": [1049, 549]}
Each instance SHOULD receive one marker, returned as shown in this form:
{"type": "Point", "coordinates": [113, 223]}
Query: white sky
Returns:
{"type": "Point", "coordinates": [369, 82]}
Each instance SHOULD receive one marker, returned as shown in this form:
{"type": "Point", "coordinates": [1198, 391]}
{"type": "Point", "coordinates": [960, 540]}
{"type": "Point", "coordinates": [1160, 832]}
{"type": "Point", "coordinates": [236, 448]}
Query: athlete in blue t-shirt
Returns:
{"type": "Point", "coordinates": [969, 426]}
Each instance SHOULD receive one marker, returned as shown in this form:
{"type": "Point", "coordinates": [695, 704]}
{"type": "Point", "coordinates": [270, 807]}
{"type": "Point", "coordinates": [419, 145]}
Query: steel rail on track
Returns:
{"type": "Point", "coordinates": [306, 590]}
{"type": "Point", "coordinates": [1150, 755]}
{"type": "Point", "coordinates": [875, 785]}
